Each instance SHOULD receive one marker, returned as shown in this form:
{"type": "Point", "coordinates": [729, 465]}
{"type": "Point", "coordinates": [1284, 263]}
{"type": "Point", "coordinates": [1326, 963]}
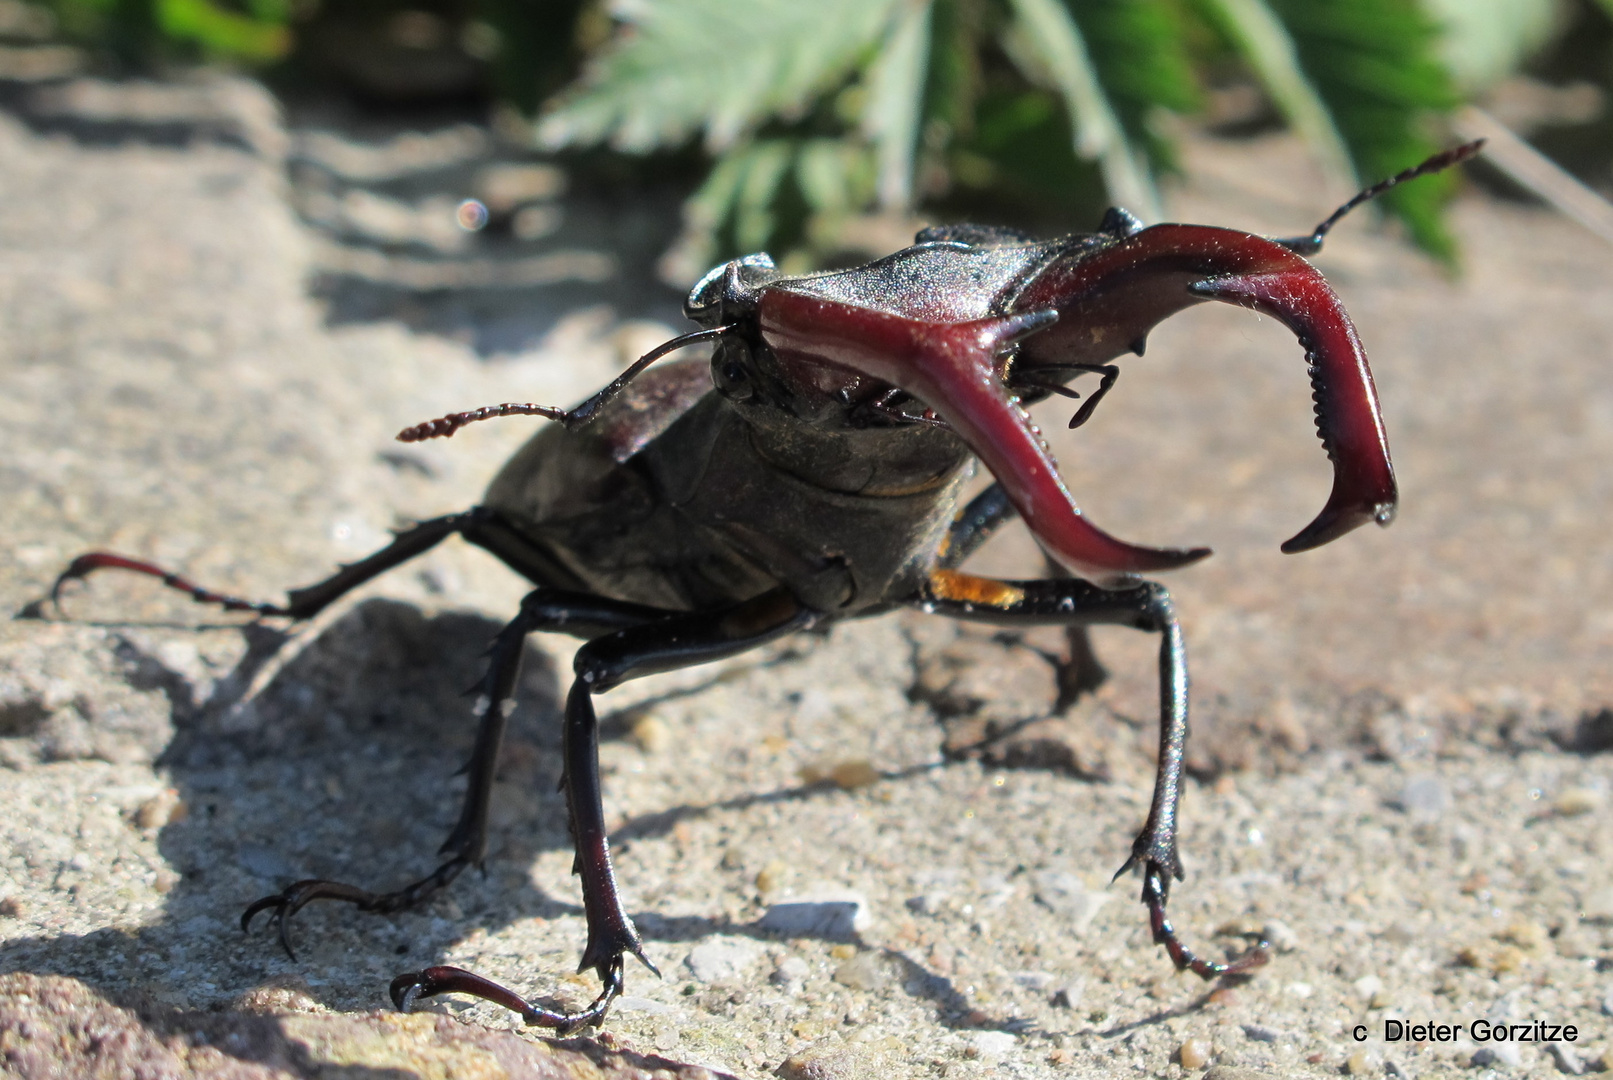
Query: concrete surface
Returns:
{"type": "Point", "coordinates": [1400, 736]}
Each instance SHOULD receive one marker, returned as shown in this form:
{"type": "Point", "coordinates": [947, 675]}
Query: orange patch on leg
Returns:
{"type": "Point", "coordinates": [968, 589]}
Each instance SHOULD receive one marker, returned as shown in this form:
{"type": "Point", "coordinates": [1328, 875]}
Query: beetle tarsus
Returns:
{"type": "Point", "coordinates": [1155, 892]}
{"type": "Point", "coordinates": [284, 905]}
{"type": "Point", "coordinates": [87, 564]}
{"type": "Point", "coordinates": [413, 986]}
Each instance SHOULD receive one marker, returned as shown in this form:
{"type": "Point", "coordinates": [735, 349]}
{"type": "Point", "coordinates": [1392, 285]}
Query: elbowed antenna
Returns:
{"type": "Point", "coordinates": [444, 426]}
{"type": "Point", "coordinates": [1310, 245]}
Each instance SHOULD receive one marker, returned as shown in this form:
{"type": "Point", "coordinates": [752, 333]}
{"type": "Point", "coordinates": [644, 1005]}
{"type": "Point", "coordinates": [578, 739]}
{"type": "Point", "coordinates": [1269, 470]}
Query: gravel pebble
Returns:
{"type": "Point", "coordinates": [1194, 1053]}
{"type": "Point", "coordinates": [1424, 797]}
{"type": "Point", "coordinates": [791, 973]}
{"type": "Point", "coordinates": [1576, 801]}
{"type": "Point", "coordinates": [1066, 894]}
{"type": "Point", "coordinates": [833, 917]}
{"type": "Point", "coordinates": [720, 959]}
{"type": "Point", "coordinates": [866, 972]}
{"type": "Point", "coordinates": [992, 1046]}
{"type": "Point", "coordinates": [1567, 1061]}
{"type": "Point", "coordinates": [1280, 936]}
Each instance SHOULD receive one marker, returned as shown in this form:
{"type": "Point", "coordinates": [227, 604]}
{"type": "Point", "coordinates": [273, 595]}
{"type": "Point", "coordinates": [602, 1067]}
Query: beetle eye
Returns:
{"type": "Point", "coordinates": [732, 380]}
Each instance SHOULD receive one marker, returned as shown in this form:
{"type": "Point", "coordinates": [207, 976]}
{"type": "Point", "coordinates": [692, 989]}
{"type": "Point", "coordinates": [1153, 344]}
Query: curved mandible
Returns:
{"type": "Point", "coordinates": [1119, 293]}
{"type": "Point", "coordinates": [953, 368]}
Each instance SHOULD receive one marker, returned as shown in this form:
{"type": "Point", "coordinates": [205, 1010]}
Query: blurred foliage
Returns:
{"type": "Point", "coordinates": [818, 113]}
{"type": "Point", "coordinates": [815, 115]}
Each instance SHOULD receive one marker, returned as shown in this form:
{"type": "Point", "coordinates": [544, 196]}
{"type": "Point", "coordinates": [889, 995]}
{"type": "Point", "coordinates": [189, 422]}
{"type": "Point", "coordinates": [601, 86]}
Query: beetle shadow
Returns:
{"type": "Point", "coordinates": [341, 766]}
{"type": "Point", "coordinates": [337, 760]}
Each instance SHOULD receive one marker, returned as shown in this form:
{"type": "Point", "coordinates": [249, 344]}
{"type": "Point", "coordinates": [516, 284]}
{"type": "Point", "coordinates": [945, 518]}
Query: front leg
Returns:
{"type": "Point", "coordinates": [543, 609]}
{"type": "Point", "coordinates": [1146, 606]}
{"type": "Point", "coordinates": [673, 642]}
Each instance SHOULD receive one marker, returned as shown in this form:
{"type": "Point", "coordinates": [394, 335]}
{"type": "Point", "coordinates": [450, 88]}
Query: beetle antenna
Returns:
{"type": "Point", "coordinates": [1310, 245]}
{"type": "Point", "coordinates": [444, 426]}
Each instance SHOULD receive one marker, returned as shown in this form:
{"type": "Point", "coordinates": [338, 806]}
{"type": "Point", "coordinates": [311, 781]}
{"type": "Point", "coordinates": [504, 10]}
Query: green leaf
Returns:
{"type": "Point", "coordinates": [680, 66]}
{"type": "Point", "coordinates": [1139, 53]}
{"type": "Point", "coordinates": [1373, 63]}
{"type": "Point", "coordinates": [1046, 44]}
{"type": "Point", "coordinates": [226, 32]}
{"type": "Point", "coordinates": [1264, 42]}
{"type": "Point", "coordinates": [891, 113]}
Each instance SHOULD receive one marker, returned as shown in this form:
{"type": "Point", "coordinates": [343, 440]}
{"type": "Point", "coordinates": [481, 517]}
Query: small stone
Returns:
{"type": "Point", "coordinates": [164, 880]}
{"type": "Point", "coordinates": [1567, 1061]}
{"type": "Point", "coordinates": [720, 960]}
{"type": "Point", "coordinates": [1598, 906]}
{"type": "Point", "coordinates": [771, 877]}
{"type": "Point", "coordinates": [1525, 934]}
{"type": "Point", "coordinates": [1194, 1053]}
{"type": "Point", "coordinates": [1033, 980]}
{"type": "Point", "coordinates": [161, 809]}
{"type": "Point", "coordinates": [851, 775]}
{"type": "Point", "coordinates": [1576, 801]}
{"type": "Point", "coordinates": [1280, 936]}
{"type": "Point", "coordinates": [1380, 1000]}
{"type": "Point", "coordinates": [843, 952]}
{"type": "Point", "coordinates": [1423, 798]}
{"type": "Point", "coordinates": [992, 1046]}
{"type": "Point", "coordinates": [13, 908]}
{"type": "Point", "coordinates": [832, 917]}
{"type": "Point", "coordinates": [865, 971]}
{"type": "Point", "coordinates": [1065, 894]}
{"type": "Point", "coordinates": [1261, 1033]}
{"type": "Point", "coordinates": [1358, 1064]}
{"type": "Point", "coordinates": [791, 973]}
{"type": "Point", "coordinates": [831, 1061]}
{"type": "Point", "coordinates": [651, 734]}
{"type": "Point", "coordinates": [1366, 986]}
{"type": "Point", "coordinates": [1069, 995]}
{"type": "Point", "coordinates": [1607, 1002]}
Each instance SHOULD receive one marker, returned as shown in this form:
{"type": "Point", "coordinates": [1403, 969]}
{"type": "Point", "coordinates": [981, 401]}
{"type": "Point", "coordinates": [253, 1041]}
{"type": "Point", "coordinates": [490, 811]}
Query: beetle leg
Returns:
{"type": "Point", "coordinates": [976, 523]}
{"type": "Point", "coordinates": [1146, 606]}
{"type": "Point", "coordinates": [479, 525]}
{"type": "Point", "coordinates": [670, 643]}
{"type": "Point", "coordinates": [1041, 378]}
{"type": "Point", "coordinates": [543, 609]}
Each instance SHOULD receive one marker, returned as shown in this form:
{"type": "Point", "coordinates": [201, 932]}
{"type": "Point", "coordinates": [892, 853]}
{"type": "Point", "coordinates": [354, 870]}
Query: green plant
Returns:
{"type": "Point", "coordinates": [817, 113]}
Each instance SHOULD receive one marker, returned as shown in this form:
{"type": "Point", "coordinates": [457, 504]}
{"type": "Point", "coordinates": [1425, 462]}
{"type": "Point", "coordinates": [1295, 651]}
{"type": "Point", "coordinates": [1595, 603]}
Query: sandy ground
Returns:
{"type": "Point", "coordinates": [1404, 759]}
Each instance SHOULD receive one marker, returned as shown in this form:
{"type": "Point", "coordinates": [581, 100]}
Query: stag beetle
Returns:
{"type": "Point", "coordinates": [812, 471]}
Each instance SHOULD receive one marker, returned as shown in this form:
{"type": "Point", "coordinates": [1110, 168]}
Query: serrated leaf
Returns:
{"type": "Point", "coordinates": [1139, 53]}
{"type": "Point", "coordinates": [895, 100]}
{"type": "Point", "coordinates": [680, 66]}
{"type": "Point", "coordinates": [1047, 45]}
{"type": "Point", "coordinates": [1373, 64]}
{"type": "Point", "coordinates": [1264, 42]}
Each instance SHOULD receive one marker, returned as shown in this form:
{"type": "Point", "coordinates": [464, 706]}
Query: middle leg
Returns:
{"type": "Point", "coordinates": [1145, 606]}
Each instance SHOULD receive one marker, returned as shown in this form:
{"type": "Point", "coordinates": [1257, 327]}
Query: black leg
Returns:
{"type": "Point", "coordinates": [480, 526]}
{"type": "Point", "coordinates": [605, 662]}
{"type": "Point", "coordinates": [974, 525]}
{"type": "Point", "coordinates": [543, 609]}
{"type": "Point", "coordinates": [1082, 672]}
{"type": "Point", "coordinates": [1146, 606]}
